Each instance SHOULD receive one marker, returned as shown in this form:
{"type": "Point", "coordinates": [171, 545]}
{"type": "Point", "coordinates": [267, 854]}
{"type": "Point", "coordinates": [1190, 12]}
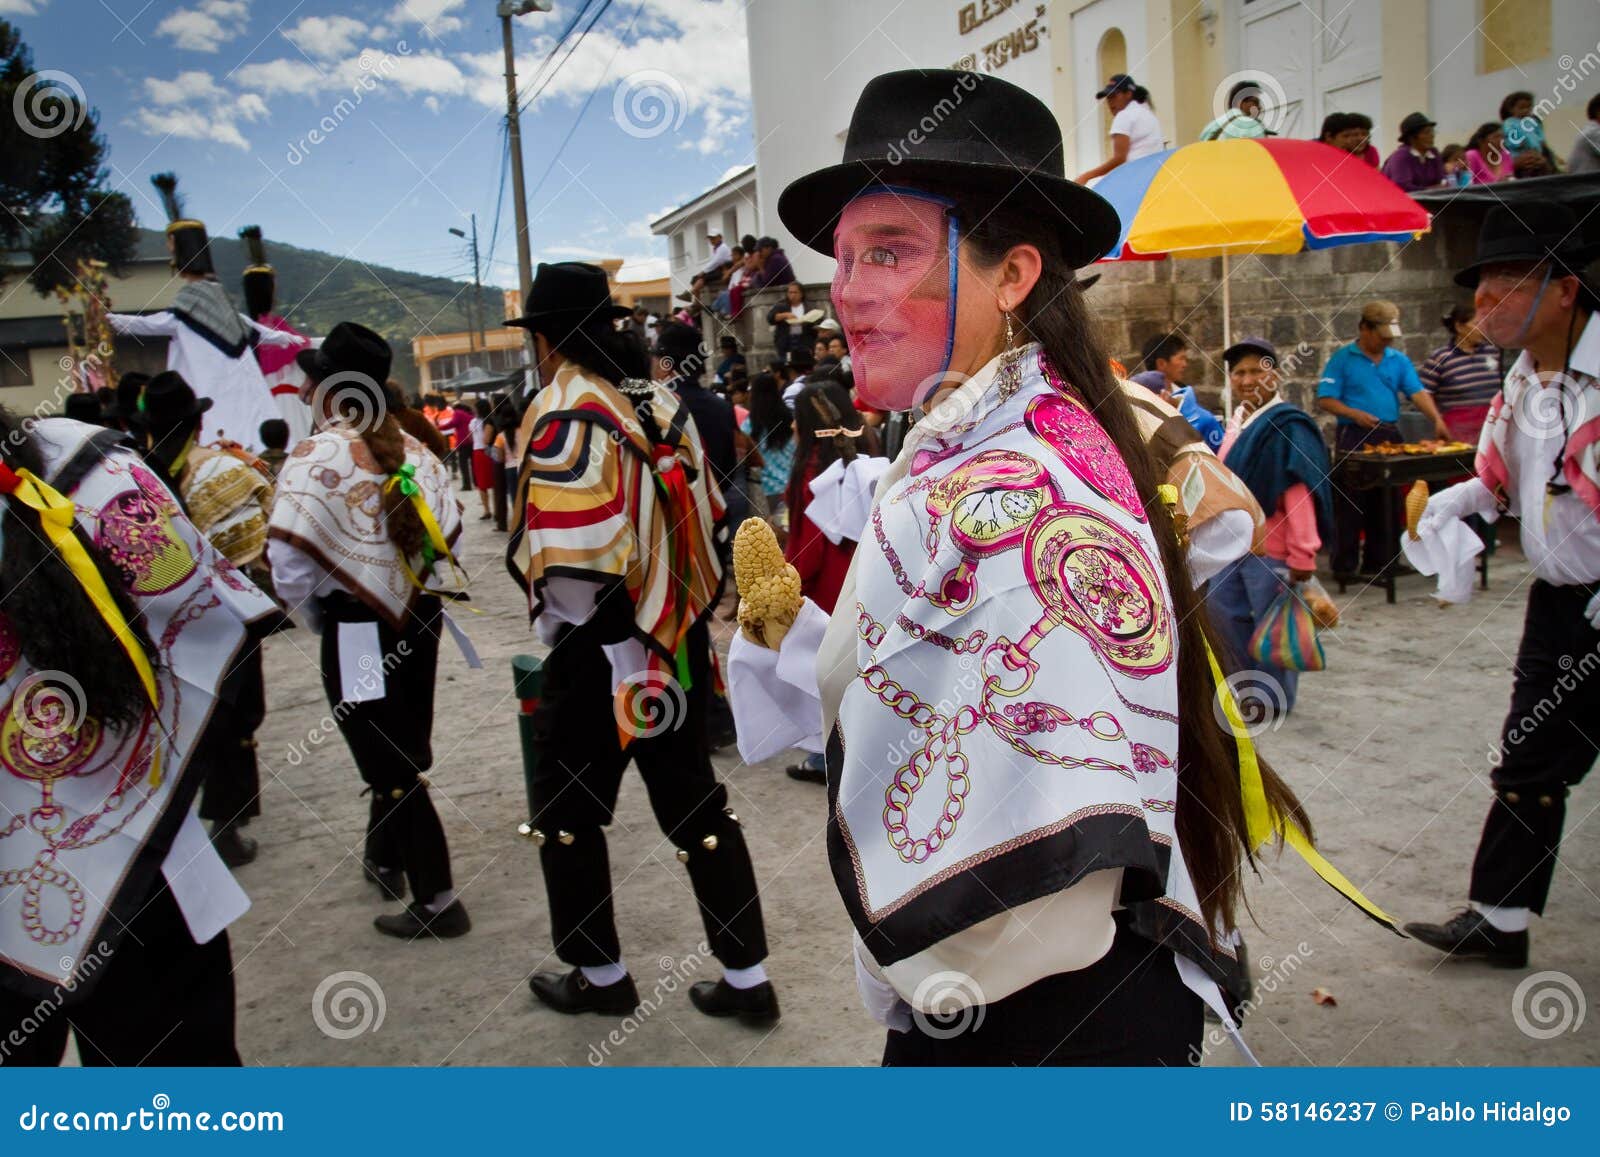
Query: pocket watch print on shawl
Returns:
{"type": "Point", "coordinates": [88, 812]}
{"type": "Point", "coordinates": [1013, 725]}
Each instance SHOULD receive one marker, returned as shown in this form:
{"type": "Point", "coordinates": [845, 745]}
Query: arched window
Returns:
{"type": "Point", "coordinates": [1112, 56]}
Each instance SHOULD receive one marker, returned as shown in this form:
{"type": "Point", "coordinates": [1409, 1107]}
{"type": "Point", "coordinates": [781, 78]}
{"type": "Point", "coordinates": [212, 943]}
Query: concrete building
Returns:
{"type": "Point", "coordinates": [445, 360]}
{"type": "Point", "coordinates": [728, 207]}
{"type": "Point", "coordinates": [1454, 59]}
{"type": "Point", "coordinates": [33, 340]}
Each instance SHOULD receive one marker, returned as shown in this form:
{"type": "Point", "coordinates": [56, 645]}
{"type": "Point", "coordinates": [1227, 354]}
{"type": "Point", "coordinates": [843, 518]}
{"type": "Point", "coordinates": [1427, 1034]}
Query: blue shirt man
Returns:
{"type": "Point", "coordinates": [1363, 382]}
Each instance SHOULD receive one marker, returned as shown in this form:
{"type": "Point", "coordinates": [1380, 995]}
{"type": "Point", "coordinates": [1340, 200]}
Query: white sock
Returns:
{"type": "Point", "coordinates": [441, 901]}
{"type": "Point", "coordinates": [745, 977]}
{"type": "Point", "coordinates": [1503, 919]}
{"type": "Point", "coordinates": [604, 975]}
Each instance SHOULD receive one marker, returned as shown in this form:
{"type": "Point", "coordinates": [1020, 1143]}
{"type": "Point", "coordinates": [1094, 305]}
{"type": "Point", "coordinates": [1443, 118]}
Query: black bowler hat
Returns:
{"type": "Point", "coordinates": [82, 408]}
{"type": "Point", "coordinates": [1414, 124]}
{"type": "Point", "coordinates": [564, 296]}
{"type": "Point", "coordinates": [349, 349]}
{"type": "Point", "coordinates": [169, 401]}
{"type": "Point", "coordinates": [1536, 231]}
{"type": "Point", "coordinates": [956, 132]}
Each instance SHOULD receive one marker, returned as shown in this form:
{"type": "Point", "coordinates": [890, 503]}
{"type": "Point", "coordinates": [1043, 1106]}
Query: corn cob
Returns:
{"type": "Point", "coordinates": [769, 588]}
{"type": "Point", "coordinates": [1416, 503]}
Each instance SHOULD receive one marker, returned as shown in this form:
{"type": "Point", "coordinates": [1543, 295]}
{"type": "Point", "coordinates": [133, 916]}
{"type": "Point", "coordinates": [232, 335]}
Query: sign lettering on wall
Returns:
{"type": "Point", "coordinates": [995, 55]}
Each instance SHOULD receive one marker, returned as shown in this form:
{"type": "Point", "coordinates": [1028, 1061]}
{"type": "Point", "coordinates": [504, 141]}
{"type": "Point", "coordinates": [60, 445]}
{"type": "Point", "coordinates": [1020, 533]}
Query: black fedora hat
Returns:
{"type": "Point", "coordinates": [564, 295]}
{"type": "Point", "coordinates": [349, 349]}
{"type": "Point", "coordinates": [1536, 231]}
{"type": "Point", "coordinates": [956, 132]}
{"type": "Point", "coordinates": [1413, 124]}
{"type": "Point", "coordinates": [168, 401]}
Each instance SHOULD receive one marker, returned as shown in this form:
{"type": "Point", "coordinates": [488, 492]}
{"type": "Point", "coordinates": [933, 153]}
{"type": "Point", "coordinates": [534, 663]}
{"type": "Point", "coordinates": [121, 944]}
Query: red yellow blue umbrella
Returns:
{"type": "Point", "coordinates": [1268, 195]}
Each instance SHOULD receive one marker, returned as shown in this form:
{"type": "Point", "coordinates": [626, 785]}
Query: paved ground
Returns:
{"type": "Point", "coordinates": [1388, 748]}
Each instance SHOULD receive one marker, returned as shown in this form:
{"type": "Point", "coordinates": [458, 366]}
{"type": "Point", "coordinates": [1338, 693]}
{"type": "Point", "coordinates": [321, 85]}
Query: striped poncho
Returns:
{"type": "Point", "coordinates": [608, 500]}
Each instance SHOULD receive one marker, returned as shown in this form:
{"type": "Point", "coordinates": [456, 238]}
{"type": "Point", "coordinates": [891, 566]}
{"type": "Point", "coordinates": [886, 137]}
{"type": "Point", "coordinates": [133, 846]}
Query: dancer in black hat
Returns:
{"type": "Point", "coordinates": [1031, 878]}
{"type": "Point", "coordinates": [1539, 461]}
{"type": "Point", "coordinates": [361, 537]}
{"type": "Point", "coordinates": [227, 500]}
{"type": "Point", "coordinates": [211, 343]}
{"type": "Point", "coordinates": [618, 507]}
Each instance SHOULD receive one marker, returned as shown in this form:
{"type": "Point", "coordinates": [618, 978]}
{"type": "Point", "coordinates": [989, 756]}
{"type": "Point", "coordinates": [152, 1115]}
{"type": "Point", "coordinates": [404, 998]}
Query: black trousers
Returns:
{"type": "Point", "coordinates": [1355, 512]}
{"type": "Point", "coordinates": [463, 454]}
{"type": "Point", "coordinates": [231, 791]}
{"type": "Point", "coordinates": [1130, 1007]}
{"type": "Point", "coordinates": [162, 999]}
{"type": "Point", "coordinates": [575, 785]}
{"type": "Point", "coordinates": [392, 740]}
{"type": "Point", "coordinates": [1546, 746]}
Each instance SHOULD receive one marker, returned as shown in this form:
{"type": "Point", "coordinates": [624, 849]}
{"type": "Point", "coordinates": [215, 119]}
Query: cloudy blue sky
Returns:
{"type": "Point", "coordinates": [408, 97]}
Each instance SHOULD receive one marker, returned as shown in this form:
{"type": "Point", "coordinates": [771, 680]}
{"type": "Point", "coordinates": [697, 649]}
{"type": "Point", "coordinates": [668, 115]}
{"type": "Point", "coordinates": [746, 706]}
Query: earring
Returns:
{"type": "Point", "coordinates": [1011, 341]}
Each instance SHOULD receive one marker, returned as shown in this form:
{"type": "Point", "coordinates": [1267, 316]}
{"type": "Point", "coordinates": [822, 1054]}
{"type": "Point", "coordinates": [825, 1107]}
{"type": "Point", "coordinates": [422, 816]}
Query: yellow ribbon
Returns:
{"type": "Point", "coordinates": [57, 515]}
{"type": "Point", "coordinates": [1260, 821]}
{"type": "Point", "coordinates": [405, 479]}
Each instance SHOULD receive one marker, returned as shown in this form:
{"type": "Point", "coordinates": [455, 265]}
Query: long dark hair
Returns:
{"type": "Point", "coordinates": [368, 413]}
{"type": "Point", "coordinates": [602, 349]}
{"type": "Point", "coordinates": [1480, 138]}
{"type": "Point", "coordinates": [771, 424]}
{"type": "Point", "coordinates": [1210, 817]}
{"type": "Point", "coordinates": [57, 626]}
{"type": "Point", "coordinates": [822, 404]}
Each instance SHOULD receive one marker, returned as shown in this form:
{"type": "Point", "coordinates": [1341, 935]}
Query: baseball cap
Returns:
{"type": "Point", "coordinates": [1118, 82]}
{"type": "Point", "coordinates": [1383, 316]}
{"type": "Point", "coordinates": [1250, 345]}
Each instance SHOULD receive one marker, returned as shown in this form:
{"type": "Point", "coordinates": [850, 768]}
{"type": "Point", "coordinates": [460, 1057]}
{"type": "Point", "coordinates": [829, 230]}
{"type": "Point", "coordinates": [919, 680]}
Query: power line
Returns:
{"type": "Point", "coordinates": [588, 100]}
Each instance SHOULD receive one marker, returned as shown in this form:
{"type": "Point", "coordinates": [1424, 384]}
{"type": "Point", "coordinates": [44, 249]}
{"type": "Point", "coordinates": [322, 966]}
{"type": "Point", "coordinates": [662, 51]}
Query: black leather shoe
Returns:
{"type": "Point", "coordinates": [1467, 933]}
{"type": "Point", "coordinates": [390, 881]}
{"type": "Point", "coordinates": [416, 922]}
{"type": "Point", "coordinates": [805, 773]}
{"type": "Point", "coordinates": [758, 1005]}
{"type": "Point", "coordinates": [571, 992]}
{"type": "Point", "coordinates": [236, 850]}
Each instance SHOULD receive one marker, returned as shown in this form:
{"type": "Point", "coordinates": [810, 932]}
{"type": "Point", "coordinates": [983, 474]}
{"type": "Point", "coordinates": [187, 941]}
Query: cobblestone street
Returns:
{"type": "Point", "coordinates": [1388, 748]}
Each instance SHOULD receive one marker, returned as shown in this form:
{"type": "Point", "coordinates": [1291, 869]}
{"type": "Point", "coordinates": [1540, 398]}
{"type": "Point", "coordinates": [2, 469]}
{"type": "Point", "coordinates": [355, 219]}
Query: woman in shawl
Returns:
{"type": "Point", "coordinates": [117, 623]}
{"type": "Point", "coordinates": [360, 538]}
{"type": "Point", "coordinates": [1045, 866]}
{"type": "Point", "coordinates": [1277, 450]}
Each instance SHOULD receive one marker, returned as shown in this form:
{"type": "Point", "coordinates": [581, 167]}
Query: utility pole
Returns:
{"type": "Point", "coordinates": [507, 9]}
{"type": "Point", "coordinates": [474, 315]}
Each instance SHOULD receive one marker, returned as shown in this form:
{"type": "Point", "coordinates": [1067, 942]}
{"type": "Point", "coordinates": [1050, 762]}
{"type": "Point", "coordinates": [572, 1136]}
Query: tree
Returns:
{"type": "Point", "coordinates": [54, 199]}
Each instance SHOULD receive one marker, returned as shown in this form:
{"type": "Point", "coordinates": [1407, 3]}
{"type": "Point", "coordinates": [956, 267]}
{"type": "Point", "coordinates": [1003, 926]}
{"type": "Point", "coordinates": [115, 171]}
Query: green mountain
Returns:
{"type": "Point", "coordinates": [317, 290]}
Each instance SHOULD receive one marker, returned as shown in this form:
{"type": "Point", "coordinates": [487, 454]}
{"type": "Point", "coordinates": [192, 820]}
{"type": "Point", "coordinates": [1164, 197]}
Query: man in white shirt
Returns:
{"type": "Point", "coordinates": [1537, 460]}
{"type": "Point", "coordinates": [710, 273]}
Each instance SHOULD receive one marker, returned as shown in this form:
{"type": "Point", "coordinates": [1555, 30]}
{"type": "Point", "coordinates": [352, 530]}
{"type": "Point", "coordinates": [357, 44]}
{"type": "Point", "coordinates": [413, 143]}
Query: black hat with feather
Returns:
{"type": "Point", "coordinates": [260, 280]}
{"type": "Point", "coordinates": [186, 237]}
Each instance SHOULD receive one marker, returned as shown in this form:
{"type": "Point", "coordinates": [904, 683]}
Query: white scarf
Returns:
{"type": "Point", "coordinates": [1011, 724]}
{"type": "Point", "coordinates": [82, 829]}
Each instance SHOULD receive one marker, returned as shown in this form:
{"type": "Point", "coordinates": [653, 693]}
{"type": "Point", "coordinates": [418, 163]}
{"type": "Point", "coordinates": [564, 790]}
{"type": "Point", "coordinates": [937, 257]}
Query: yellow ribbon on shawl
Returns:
{"type": "Point", "coordinates": [1260, 821]}
{"type": "Point", "coordinates": [57, 514]}
{"type": "Point", "coordinates": [434, 545]}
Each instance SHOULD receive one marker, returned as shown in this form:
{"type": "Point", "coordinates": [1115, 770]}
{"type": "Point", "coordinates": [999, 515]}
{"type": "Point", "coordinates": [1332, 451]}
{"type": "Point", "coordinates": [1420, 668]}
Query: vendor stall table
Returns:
{"type": "Point", "coordinates": [1391, 473]}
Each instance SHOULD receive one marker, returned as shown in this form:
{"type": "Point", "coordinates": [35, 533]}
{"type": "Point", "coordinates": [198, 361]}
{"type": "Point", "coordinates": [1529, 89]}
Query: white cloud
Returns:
{"type": "Point", "coordinates": [431, 103]}
{"type": "Point", "coordinates": [193, 106]}
{"type": "Point", "coordinates": [20, 7]}
{"type": "Point", "coordinates": [207, 26]}
{"type": "Point", "coordinates": [326, 37]}
{"type": "Point", "coordinates": [435, 16]}
{"type": "Point", "coordinates": [282, 75]}
{"type": "Point", "coordinates": [700, 47]}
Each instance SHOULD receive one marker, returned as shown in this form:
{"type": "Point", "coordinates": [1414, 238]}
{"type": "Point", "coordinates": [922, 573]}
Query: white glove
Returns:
{"type": "Point", "coordinates": [882, 1002]}
{"type": "Point", "coordinates": [1592, 612]}
{"type": "Point", "coordinates": [1458, 501]}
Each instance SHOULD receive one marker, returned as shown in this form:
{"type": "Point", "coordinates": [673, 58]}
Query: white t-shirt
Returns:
{"type": "Point", "coordinates": [1139, 125]}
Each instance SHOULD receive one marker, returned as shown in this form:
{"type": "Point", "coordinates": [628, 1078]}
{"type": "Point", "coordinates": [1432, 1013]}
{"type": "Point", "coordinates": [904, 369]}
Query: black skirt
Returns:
{"type": "Point", "coordinates": [1130, 1007]}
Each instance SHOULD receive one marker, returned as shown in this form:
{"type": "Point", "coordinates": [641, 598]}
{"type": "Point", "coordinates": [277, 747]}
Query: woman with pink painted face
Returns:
{"type": "Point", "coordinates": [1035, 818]}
